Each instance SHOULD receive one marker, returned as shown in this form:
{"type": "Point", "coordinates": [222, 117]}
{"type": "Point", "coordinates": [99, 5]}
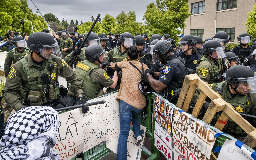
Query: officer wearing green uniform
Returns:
{"type": "Point", "coordinates": [33, 79]}
{"type": "Point", "coordinates": [93, 77]}
{"type": "Point", "coordinates": [78, 55]}
{"type": "Point", "coordinates": [15, 54]}
{"type": "Point", "coordinates": [211, 66]}
{"type": "Point", "coordinates": [66, 44]}
{"type": "Point", "coordinates": [119, 53]}
{"type": "Point", "coordinates": [236, 91]}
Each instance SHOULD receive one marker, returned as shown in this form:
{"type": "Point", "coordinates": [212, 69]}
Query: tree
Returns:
{"type": "Point", "coordinates": [251, 23]}
{"type": "Point", "coordinates": [167, 16]}
{"type": "Point", "coordinates": [13, 12]}
{"type": "Point", "coordinates": [86, 26]}
{"type": "Point", "coordinates": [64, 23]}
{"type": "Point", "coordinates": [49, 17]}
{"type": "Point", "coordinates": [108, 24]}
{"type": "Point", "coordinates": [72, 23]}
{"type": "Point", "coordinates": [76, 23]}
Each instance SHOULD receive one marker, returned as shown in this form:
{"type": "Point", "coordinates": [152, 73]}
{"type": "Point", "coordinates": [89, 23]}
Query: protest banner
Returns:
{"type": "Point", "coordinates": [80, 132]}
{"type": "Point", "coordinates": [231, 150]}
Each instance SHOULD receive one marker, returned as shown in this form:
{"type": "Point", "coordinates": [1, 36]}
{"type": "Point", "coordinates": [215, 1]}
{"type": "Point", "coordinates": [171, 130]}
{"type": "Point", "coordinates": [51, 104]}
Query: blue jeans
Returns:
{"type": "Point", "coordinates": [128, 113]}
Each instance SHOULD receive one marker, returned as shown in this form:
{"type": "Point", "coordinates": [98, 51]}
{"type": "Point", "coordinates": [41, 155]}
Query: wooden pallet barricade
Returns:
{"type": "Point", "coordinates": [191, 83]}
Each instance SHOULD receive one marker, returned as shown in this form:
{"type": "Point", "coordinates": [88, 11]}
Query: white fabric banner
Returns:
{"type": "Point", "coordinates": [230, 151]}
{"type": "Point", "coordinates": [80, 132]}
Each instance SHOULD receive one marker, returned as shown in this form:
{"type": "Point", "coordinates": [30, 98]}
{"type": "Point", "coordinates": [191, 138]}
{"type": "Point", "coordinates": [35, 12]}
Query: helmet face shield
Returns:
{"type": "Point", "coordinates": [47, 50]}
{"type": "Point", "coordinates": [245, 40]}
{"type": "Point", "coordinates": [21, 44]}
{"type": "Point", "coordinates": [251, 81]}
{"type": "Point", "coordinates": [182, 43]}
{"type": "Point", "coordinates": [128, 42]}
{"type": "Point", "coordinates": [220, 52]}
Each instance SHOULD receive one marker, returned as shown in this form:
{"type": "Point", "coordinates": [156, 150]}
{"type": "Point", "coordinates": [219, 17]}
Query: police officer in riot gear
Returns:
{"type": "Point", "coordinates": [172, 73]}
{"type": "Point", "coordinates": [223, 38]}
{"type": "Point", "coordinates": [239, 91]}
{"type": "Point", "coordinates": [211, 66]}
{"type": "Point", "coordinates": [199, 44]}
{"type": "Point", "coordinates": [189, 54]}
{"type": "Point", "coordinates": [155, 36]}
{"type": "Point", "coordinates": [15, 54]}
{"type": "Point", "coordinates": [120, 53]}
{"type": "Point", "coordinates": [93, 77]}
{"type": "Point", "coordinates": [244, 49]}
{"type": "Point", "coordinates": [140, 44]}
{"type": "Point", "coordinates": [103, 41]}
{"type": "Point", "coordinates": [232, 58]}
{"type": "Point", "coordinates": [33, 79]}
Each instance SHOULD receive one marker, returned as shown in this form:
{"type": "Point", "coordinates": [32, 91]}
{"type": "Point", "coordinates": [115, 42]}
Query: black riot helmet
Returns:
{"type": "Point", "coordinates": [187, 39]}
{"type": "Point", "coordinates": [139, 40]}
{"type": "Point", "coordinates": [20, 42]}
{"type": "Point", "coordinates": [40, 40]}
{"type": "Point", "coordinates": [162, 48]}
{"type": "Point", "coordinates": [155, 36]}
{"type": "Point", "coordinates": [103, 37]}
{"type": "Point", "coordinates": [244, 38]}
{"type": "Point", "coordinates": [93, 52]}
{"type": "Point", "coordinates": [240, 74]}
{"type": "Point", "coordinates": [231, 56]}
{"type": "Point", "coordinates": [211, 46]}
{"type": "Point", "coordinates": [198, 40]}
{"type": "Point", "coordinates": [93, 36]}
{"type": "Point", "coordinates": [221, 36]}
{"type": "Point", "coordinates": [165, 37]}
{"type": "Point", "coordinates": [126, 39]}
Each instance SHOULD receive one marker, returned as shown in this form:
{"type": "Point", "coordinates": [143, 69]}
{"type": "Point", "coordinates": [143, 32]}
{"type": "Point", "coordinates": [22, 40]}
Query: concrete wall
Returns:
{"type": "Point", "coordinates": [212, 19]}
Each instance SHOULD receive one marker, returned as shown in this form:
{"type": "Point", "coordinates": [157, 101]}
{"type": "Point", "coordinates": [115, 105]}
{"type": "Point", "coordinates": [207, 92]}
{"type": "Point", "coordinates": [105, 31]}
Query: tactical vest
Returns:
{"type": "Point", "coordinates": [216, 69]}
{"type": "Point", "coordinates": [173, 88]}
{"type": "Point", "coordinates": [41, 85]}
{"type": "Point", "coordinates": [84, 70]}
{"type": "Point", "coordinates": [118, 56]}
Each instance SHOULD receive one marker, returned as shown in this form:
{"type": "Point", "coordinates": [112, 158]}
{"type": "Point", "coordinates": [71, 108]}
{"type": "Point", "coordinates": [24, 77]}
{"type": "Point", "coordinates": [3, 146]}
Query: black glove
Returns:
{"type": "Point", "coordinates": [82, 100]}
{"type": "Point", "coordinates": [105, 64]}
{"type": "Point", "coordinates": [76, 52]}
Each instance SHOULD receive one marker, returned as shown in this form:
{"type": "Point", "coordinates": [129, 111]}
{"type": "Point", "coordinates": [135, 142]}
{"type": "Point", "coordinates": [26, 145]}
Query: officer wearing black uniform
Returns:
{"type": "Point", "coordinates": [189, 54]}
{"type": "Point", "coordinates": [140, 44]}
{"type": "Point", "coordinates": [244, 49]}
{"type": "Point", "coordinates": [172, 73]}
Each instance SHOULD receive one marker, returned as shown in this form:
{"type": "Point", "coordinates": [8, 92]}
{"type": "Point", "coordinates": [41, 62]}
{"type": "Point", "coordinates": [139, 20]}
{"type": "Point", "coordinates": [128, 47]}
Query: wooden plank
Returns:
{"type": "Point", "coordinates": [238, 119]}
{"type": "Point", "coordinates": [199, 103]}
{"type": "Point", "coordinates": [211, 111]}
{"type": "Point", "coordinates": [183, 92]}
{"type": "Point", "coordinates": [222, 121]}
{"type": "Point", "coordinates": [190, 95]}
{"type": "Point", "coordinates": [250, 140]}
{"type": "Point", "coordinates": [204, 87]}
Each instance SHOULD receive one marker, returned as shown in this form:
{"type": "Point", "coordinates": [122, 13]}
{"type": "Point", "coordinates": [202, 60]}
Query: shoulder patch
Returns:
{"type": "Point", "coordinates": [12, 73]}
{"type": "Point", "coordinates": [203, 72]}
{"type": "Point", "coordinates": [167, 69]}
{"type": "Point", "coordinates": [106, 76]}
{"type": "Point", "coordinates": [239, 109]}
{"type": "Point", "coordinates": [83, 66]}
{"type": "Point", "coordinates": [63, 63]}
{"type": "Point", "coordinates": [195, 61]}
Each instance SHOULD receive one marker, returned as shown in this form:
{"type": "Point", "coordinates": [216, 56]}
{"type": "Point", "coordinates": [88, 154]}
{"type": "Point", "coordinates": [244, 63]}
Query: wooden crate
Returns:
{"type": "Point", "coordinates": [193, 82]}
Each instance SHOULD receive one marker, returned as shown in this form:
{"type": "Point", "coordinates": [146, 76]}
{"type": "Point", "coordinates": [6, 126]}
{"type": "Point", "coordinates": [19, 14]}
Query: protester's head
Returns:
{"type": "Point", "coordinates": [133, 53]}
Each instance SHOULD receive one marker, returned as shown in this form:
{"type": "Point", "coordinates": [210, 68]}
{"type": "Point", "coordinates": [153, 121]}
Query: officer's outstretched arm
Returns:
{"type": "Point", "coordinates": [157, 85]}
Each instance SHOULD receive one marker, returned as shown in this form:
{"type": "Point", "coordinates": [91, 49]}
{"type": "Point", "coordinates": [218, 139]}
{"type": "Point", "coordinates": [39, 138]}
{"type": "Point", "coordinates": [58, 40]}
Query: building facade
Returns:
{"type": "Point", "coordinates": [210, 16]}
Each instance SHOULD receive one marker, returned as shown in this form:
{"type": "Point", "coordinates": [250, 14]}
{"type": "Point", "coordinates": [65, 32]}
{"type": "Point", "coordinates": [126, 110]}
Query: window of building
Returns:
{"type": "Point", "coordinates": [197, 32]}
{"type": "Point", "coordinates": [226, 4]}
{"type": "Point", "coordinates": [229, 31]}
{"type": "Point", "coordinates": [198, 7]}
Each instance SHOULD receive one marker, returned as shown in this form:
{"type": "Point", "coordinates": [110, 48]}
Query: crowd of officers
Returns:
{"type": "Point", "coordinates": [32, 68]}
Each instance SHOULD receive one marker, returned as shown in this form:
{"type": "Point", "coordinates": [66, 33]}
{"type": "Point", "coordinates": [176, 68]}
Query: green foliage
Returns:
{"type": "Point", "coordinates": [12, 12]}
{"type": "Point", "coordinates": [230, 46]}
{"type": "Point", "coordinates": [108, 24]}
{"type": "Point", "coordinates": [166, 17]}
{"type": "Point", "coordinates": [49, 17]}
{"type": "Point", "coordinates": [251, 22]}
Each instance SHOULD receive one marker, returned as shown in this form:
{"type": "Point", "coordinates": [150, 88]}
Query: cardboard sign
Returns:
{"type": "Point", "coordinates": [179, 133]}
{"type": "Point", "coordinates": [80, 132]}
